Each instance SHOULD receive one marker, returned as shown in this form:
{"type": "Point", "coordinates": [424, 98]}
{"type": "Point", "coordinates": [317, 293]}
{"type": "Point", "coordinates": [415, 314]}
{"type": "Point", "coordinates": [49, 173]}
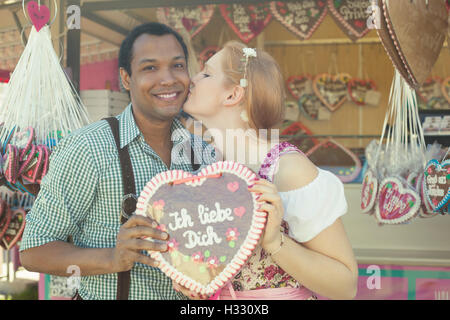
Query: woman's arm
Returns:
{"type": "Point", "coordinates": [326, 264]}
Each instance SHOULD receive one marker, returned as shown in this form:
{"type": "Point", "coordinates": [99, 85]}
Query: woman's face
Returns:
{"type": "Point", "coordinates": [208, 90]}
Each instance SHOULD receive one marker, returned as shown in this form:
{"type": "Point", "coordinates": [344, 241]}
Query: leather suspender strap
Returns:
{"type": "Point", "coordinates": [128, 201]}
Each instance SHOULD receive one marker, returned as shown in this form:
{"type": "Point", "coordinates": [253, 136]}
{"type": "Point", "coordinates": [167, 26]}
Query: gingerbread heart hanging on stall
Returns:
{"type": "Point", "coordinates": [437, 184]}
{"type": "Point", "coordinates": [429, 89]}
{"type": "Point", "coordinates": [358, 88]}
{"type": "Point", "coordinates": [15, 229]}
{"type": "Point", "coordinates": [446, 89]}
{"type": "Point", "coordinates": [300, 17]}
{"type": "Point", "coordinates": [296, 128]}
{"type": "Point", "coordinates": [334, 157]}
{"type": "Point", "coordinates": [351, 16]}
{"type": "Point", "coordinates": [246, 20]}
{"type": "Point", "coordinates": [212, 220]}
{"type": "Point", "coordinates": [300, 85]}
{"type": "Point", "coordinates": [369, 192]}
{"type": "Point", "coordinates": [192, 19]}
{"type": "Point", "coordinates": [5, 218]}
{"type": "Point", "coordinates": [402, 20]}
{"type": "Point", "coordinates": [311, 106]}
{"type": "Point", "coordinates": [397, 203]}
{"type": "Point", "coordinates": [332, 89]}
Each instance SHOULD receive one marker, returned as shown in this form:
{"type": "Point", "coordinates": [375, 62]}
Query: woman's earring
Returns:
{"type": "Point", "coordinates": [244, 116]}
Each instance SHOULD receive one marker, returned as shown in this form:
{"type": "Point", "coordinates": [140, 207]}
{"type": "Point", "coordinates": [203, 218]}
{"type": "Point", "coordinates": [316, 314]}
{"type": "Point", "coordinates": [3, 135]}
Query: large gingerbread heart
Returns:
{"type": "Point", "coordinates": [446, 88]}
{"type": "Point", "coordinates": [332, 89]}
{"type": "Point", "coordinates": [437, 184]}
{"type": "Point", "coordinates": [212, 220]}
{"type": "Point", "coordinates": [336, 158]}
{"type": "Point", "coordinates": [357, 89]}
{"type": "Point", "coordinates": [247, 21]}
{"type": "Point", "coordinates": [426, 210]}
{"type": "Point", "coordinates": [300, 85]}
{"type": "Point", "coordinates": [351, 16]}
{"type": "Point", "coordinates": [397, 203]}
{"type": "Point", "coordinates": [369, 191]}
{"type": "Point", "coordinates": [300, 17]}
{"type": "Point", "coordinates": [15, 229]}
{"type": "Point", "coordinates": [191, 19]}
{"type": "Point", "coordinates": [311, 106]}
{"type": "Point", "coordinates": [405, 20]}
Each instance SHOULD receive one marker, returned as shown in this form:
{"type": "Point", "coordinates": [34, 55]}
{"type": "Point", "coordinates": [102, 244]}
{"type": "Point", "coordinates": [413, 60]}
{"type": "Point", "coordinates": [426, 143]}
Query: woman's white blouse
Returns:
{"type": "Point", "coordinates": [311, 209]}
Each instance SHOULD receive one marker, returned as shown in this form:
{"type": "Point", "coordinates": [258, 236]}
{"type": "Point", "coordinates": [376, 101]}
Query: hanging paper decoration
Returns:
{"type": "Point", "coordinates": [430, 88]}
{"type": "Point", "coordinates": [295, 128]}
{"type": "Point", "coordinates": [331, 155]}
{"type": "Point", "coordinates": [401, 23]}
{"type": "Point", "coordinates": [358, 89]}
{"type": "Point", "coordinates": [446, 89]}
{"type": "Point", "coordinates": [191, 19]}
{"type": "Point", "coordinates": [300, 85]}
{"type": "Point", "coordinates": [351, 16]}
{"type": "Point", "coordinates": [398, 164]}
{"type": "Point", "coordinates": [332, 89]}
{"type": "Point", "coordinates": [247, 21]}
{"type": "Point", "coordinates": [40, 108]}
{"type": "Point", "coordinates": [300, 17]}
{"type": "Point", "coordinates": [206, 54]}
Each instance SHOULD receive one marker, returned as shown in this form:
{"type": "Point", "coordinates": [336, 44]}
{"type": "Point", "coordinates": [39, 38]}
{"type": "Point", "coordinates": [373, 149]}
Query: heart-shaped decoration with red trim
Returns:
{"type": "Point", "coordinates": [437, 184]}
{"type": "Point", "coordinates": [39, 14]}
{"type": "Point", "coordinates": [5, 218]}
{"type": "Point", "coordinates": [397, 203]}
{"type": "Point", "coordinates": [191, 19]}
{"type": "Point", "coordinates": [414, 56]}
{"type": "Point", "coordinates": [430, 88]}
{"type": "Point", "coordinates": [247, 21]}
{"type": "Point", "coordinates": [300, 85]}
{"type": "Point", "coordinates": [369, 192]}
{"type": "Point", "coordinates": [212, 220]}
{"type": "Point", "coordinates": [293, 128]}
{"type": "Point", "coordinates": [334, 157]}
{"type": "Point", "coordinates": [446, 89]}
{"type": "Point", "coordinates": [300, 17]}
{"type": "Point", "coordinates": [357, 89]}
{"type": "Point", "coordinates": [351, 16]}
{"type": "Point", "coordinates": [11, 163]}
{"type": "Point", "coordinates": [332, 89]}
{"type": "Point", "coordinates": [15, 229]}
{"type": "Point", "coordinates": [426, 210]}
{"type": "Point", "coordinates": [310, 105]}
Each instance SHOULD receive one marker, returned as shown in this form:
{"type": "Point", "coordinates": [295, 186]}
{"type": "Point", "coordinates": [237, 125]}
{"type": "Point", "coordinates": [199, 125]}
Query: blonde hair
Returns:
{"type": "Point", "coordinates": [265, 93]}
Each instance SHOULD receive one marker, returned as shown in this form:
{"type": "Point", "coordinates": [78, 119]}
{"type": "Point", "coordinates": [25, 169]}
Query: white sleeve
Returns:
{"type": "Point", "coordinates": [314, 207]}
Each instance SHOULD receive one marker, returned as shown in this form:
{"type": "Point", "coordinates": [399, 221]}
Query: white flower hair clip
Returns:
{"type": "Point", "coordinates": [248, 52]}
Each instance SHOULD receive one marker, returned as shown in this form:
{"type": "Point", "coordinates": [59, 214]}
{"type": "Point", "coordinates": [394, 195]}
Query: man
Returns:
{"type": "Point", "coordinates": [81, 195]}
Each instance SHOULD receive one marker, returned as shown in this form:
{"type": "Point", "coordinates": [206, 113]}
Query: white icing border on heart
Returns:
{"type": "Point", "coordinates": [411, 214]}
{"type": "Point", "coordinates": [444, 201]}
{"type": "Point", "coordinates": [247, 247]}
{"type": "Point", "coordinates": [371, 178]}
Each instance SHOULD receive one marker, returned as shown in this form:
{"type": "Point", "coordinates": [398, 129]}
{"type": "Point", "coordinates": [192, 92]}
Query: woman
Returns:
{"type": "Point", "coordinates": [304, 250]}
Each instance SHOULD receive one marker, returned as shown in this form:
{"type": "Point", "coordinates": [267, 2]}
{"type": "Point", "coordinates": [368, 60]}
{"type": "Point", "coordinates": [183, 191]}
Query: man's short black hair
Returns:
{"type": "Point", "coordinates": [151, 28]}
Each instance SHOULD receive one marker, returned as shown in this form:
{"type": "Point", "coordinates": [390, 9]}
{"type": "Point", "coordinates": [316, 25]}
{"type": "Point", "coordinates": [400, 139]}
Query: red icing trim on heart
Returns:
{"type": "Point", "coordinates": [294, 29]}
{"type": "Point", "coordinates": [292, 80]}
{"type": "Point", "coordinates": [366, 84]}
{"type": "Point", "coordinates": [27, 160]}
{"type": "Point", "coordinates": [243, 253]}
{"type": "Point", "coordinates": [396, 203]}
{"type": "Point", "coordinates": [319, 85]}
{"type": "Point", "coordinates": [12, 158]}
{"type": "Point", "coordinates": [10, 242]}
{"type": "Point", "coordinates": [355, 34]}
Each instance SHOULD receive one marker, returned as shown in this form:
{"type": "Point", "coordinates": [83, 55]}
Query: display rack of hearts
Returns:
{"type": "Point", "coordinates": [212, 220]}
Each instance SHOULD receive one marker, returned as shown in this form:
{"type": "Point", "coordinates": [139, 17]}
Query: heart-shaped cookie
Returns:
{"type": "Point", "coordinates": [300, 17]}
{"type": "Point", "coordinates": [34, 169]}
{"type": "Point", "coordinates": [426, 211]}
{"type": "Point", "coordinates": [293, 128]}
{"type": "Point", "coordinates": [430, 88]}
{"type": "Point", "coordinates": [213, 224]}
{"type": "Point", "coordinates": [396, 202]}
{"type": "Point", "coordinates": [358, 88]}
{"type": "Point", "coordinates": [406, 19]}
{"type": "Point", "coordinates": [369, 191]}
{"type": "Point", "coordinates": [332, 156]}
{"type": "Point", "coordinates": [23, 140]}
{"type": "Point", "coordinates": [446, 89]}
{"type": "Point", "coordinates": [39, 14]}
{"type": "Point", "coordinates": [437, 184]}
{"type": "Point", "coordinates": [350, 16]}
{"type": "Point", "coordinates": [310, 106]}
{"type": "Point", "coordinates": [11, 163]}
{"type": "Point", "coordinates": [191, 19]}
{"type": "Point", "coordinates": [5, 218]}
{"type": "Point", "coordinates": [300, 85]}
{"type": "Point", "coordinates": [15, 229]}
{"type": "Point", "coordinates": [246, 20]}
{"type": "Point", "coordinates": [332, 89]}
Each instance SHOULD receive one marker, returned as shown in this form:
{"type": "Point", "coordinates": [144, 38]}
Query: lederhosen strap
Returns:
{"type": "Point", "coordinates": [128, 201]}
{"type": "Point", "coordinates": [129, 198]}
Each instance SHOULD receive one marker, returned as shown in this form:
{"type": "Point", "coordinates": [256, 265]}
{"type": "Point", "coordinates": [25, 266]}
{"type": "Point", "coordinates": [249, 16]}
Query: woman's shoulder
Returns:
{"type": "Point", "coordinates": [294, 171]}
